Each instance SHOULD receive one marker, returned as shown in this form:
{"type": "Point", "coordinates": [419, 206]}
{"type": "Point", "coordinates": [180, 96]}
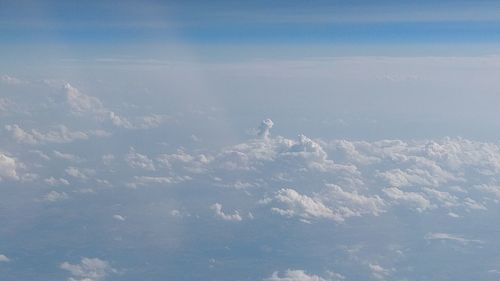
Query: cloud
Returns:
{"type": "Point", "coordinates": [416, 199]}
{"type": "Point", "coordinates": [148, 181]}
{"type": "Point", "coordinates": [54, 196]}
{"type": "Point", "coordinates": [450, 237]}
{"type": "Point", "coordinates": [139, 161]}
{"type": "Point", "coordinates": [4, 258]}
{"type": "Point", "coordinates": [217, 208]}
{"type": "Point", "coordinates": [8, 166]}
{"type": "Point", "coordinates": [119, 217]}
{"type": "Point", "coordinates": [56, 181]}
{"type": "Point", "coordinates": [89, 269]}
{"type": "Point", "coordinates": [60, 134]}
{"type": "Point", "coordinates": [264, 128]}
{"type": "Point", "coordinates": [490, 189]}
{"type": "Point", "coordinates": [333, 203]}
{"type": "Point", "coordinates": [82, 104]}
{"type": "Point", "coordinates": [10, 80]}
{"type": "Point", "coordinates": [379, 272]}
{"type": "Point", "coordinates": [79, 173]}
{"type": "Point", "coordinates": [300, 275]}
{"type": "Point", "coordinates": [302, 206]}
{"type": "Point", "coordinates": [67, 156]}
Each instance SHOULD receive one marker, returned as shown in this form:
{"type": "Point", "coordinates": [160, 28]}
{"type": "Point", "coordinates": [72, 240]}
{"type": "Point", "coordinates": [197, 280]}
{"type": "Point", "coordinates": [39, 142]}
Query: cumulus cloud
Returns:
{"type": "Point", "coordinates": [60, 134]}
{"type": "Point", "coordinates": [139, 161]}
{"type": "Point", "coordinates": [181, 160]}
{"type": "Point", "coordinates": [302, 206]}
{"type": "Point", "coordinates": [265, 128]}
{"type": "Point", "coordinates": [81, 103]}
{"type": "Point", "coordinates": [56, 181]}
{"type": "Point", "coordinates": [89, 269]}
{"type": "Point", "coordinates": [82, 174]}
{"type": "Point", "coordinates": [301, 275]}
{"type": "Point", "coordinates": [54, 196]}
{"type": "Point", "coordinates": [4, 258]}
{"type": "Point", "coordinates": [416, 199]}
{"type": "Point", "coordinates": [8, 166]}
{"type": "Point", "coordinates": [333, 203]}
{"type": "Point", "coordinates": [378, 271]}
{"type": "Point", "coordinates": [119, 217]}
{"type": "Point", "coordinates": [217, 208]}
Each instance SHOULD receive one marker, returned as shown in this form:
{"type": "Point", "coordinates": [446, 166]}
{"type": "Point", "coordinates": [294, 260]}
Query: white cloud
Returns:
{"type": "Point", "coordinates": [56, 181]}
{"type": "Point", "coordinates": [490, 189]}
{"type": "Point", "coordinates": [4, 258]}
{"type": "Point", "coordinates": [67, 156]}
{"type": "Point", "coordinates": [60, 134]}
{"type": "Point", "coordinates": [54, 196]}
{"type": "Point", "coordinates": [300, 275]}
{"type": "Point", "coordinates": [81, 103]}
{"type": "Point", "coordinates": [8, 166]}
{"type": "Point", "coordinates": [264, 128]}
{"type": "Point", "coordinates": [139, 161]}
{"type": "Point", "coordinates": [148, 181]}
{"type": "Point", "coordinates": [89, 269]}
{"type": "Point", "coordinates": [333, 203]}
{"type": "Point", "coordinates": [379, 272]}
{"type": "Point", "coordinates": [217, 208]}
{"type": "Point", "coordinates": [302, 206]}
{"type": "Point", "coordinates": [450, 237]}
{"type": "Point", "coordinates": [415, 199]}
{"type": "Point", "coordinates": [119, 217]}
{"type": "Point", "coordinates": [352, 203]}
{"type": "Point", "coordinates": [79, 173]}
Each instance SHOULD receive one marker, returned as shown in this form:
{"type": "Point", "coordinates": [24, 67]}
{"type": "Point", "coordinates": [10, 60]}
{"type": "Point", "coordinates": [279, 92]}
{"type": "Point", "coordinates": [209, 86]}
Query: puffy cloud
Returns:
{"type": "Point", "coordinates": [302, 206]}
{"type": "Point", "coordinates": [264, 128]}
{"type": "Point", "coordinates": [4, 258]}
{"type": "Point", "coordinates": [56, 181]}
{"type": "Point", "coordinates": [185, 161]}
{"type": "Point", "coordinates": [217, 208]}
{"type": "Point", "coordinates": [379, 272]}
{"type": "Point", "coordinates": [119, 217]}
{"type": "Point", "coordinates": [333, 203]}
{"type": "Point", "coordinates": [416, 199]}
{"type": "Point", "coordinates": [139, 161]}
{"type": "Point", "coordinates": [60, 134]}
{"type": "Point", "coordinates": [81, 103]}
{"type": "Point", "coordinates": [352, 203]}
{"type": "Point", "coordinates": [82, 174]}
{"type": "Point", "coordinates": [8, 166]}
{"type": "Point", "coordinates": [89, 269]}
{"type": "Point", "coordinates": [300, 275]}
{"type": "Point", "coordinates": [54, 196]}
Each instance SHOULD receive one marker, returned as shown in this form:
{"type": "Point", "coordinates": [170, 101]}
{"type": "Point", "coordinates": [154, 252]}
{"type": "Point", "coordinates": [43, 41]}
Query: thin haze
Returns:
{"type": "Point", "coordinates": [249, 140]}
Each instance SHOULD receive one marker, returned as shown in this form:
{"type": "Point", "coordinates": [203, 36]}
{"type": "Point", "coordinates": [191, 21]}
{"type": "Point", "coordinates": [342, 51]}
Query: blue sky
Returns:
{"type": "Point", "coordinates": [263, 22]}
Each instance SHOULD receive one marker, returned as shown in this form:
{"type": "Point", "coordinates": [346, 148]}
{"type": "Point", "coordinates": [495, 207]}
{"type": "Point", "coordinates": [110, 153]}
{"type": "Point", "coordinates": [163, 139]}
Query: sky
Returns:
{"type": "Point", "coordinates": [249, 140]}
